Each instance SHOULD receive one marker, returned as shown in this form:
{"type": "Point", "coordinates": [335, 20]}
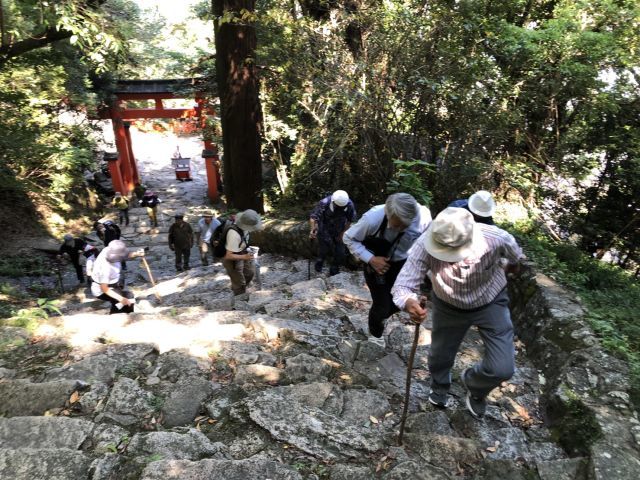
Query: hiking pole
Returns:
{"type": "Point", "coordinates": [407, 391]}
{"type": "Point", "coordinates": [153, 283]}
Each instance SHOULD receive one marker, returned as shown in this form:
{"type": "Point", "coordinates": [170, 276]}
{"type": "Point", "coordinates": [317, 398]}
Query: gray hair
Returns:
{"type": "Point", "coordinates": [401, 205]}
{"type": "Point", "coordinates": [117, 251]}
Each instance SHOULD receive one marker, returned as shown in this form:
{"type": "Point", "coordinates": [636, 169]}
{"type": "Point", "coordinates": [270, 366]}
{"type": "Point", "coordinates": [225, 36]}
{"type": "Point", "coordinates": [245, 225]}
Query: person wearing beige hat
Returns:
{"type": "Point", "coordinates": [238, 260]}
{"type": "Point", "coordinates": [465, 262]}
{"type": "Point", "coordinates": [206, 226]}
{"type": "Point", "coordinates": [480, 204]}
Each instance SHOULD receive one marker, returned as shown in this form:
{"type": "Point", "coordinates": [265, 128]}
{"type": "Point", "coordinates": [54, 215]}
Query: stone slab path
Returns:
{"type": "Point", "coordinates": [284, 385]}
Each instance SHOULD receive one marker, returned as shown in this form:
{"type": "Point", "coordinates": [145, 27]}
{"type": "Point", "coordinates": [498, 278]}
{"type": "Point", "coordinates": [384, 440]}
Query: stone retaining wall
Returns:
{"type": "Point", "coordinates": [586, 391]}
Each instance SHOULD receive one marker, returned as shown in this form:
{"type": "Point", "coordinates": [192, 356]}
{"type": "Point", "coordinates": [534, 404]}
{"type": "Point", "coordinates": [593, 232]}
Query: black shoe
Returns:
{"type": "Point", "coordinates": [179, 269]}
{"type": "Point", "coordinates": [333, 271]}
{"type": "Point", "coordinates": [477, 406]}
{"type": "Point", "coordinates": [439, 399]}
{"type": "Point", "coordinates": [318, 266]}
{"type": "Point", "coordinates": [187, 267]}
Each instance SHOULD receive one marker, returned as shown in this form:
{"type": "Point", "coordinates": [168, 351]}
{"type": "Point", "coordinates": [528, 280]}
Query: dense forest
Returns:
{"type": "Point", "coordinates": [535, 100]}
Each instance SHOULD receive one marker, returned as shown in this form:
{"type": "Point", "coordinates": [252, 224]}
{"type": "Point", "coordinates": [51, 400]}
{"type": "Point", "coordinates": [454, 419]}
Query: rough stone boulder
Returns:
{"type": "Point", "coordinates": [192, 445]}
{"type": "Point", "coordinates": [227, 469]}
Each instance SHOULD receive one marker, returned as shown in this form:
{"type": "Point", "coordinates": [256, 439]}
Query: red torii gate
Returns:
{"type": "Point", "coordinates": [123, 167]}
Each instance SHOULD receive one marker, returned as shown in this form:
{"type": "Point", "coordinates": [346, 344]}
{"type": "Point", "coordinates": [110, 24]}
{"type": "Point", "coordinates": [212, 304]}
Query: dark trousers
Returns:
{"type": "Point", "coordinates": [450, 325]}
{"type": "Point", "coordinates": [78, 267]}
{"type": "Point", "coordinates": [382, 306]}
{"type": "Point", "coordinates": [182, 254]}
{"type": "Point", "coordinates": [123, 216]}
{"type": "Point", "coordinates": [332, 246]}
{"type": "Point", "coordinates": [114, 309]}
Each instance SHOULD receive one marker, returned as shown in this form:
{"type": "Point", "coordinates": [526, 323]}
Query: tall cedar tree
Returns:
{"type": "Point", "coordinates": [241, 112]}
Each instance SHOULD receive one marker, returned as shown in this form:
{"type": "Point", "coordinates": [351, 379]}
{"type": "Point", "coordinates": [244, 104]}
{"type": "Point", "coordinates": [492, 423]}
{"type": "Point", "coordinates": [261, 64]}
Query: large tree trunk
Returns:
{"type": "Point", "coordinates": [241, 113]}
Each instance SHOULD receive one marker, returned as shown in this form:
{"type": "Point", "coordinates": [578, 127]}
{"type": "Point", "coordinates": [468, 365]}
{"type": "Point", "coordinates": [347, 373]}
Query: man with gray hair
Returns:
{"type": "Point", "coordinates": [465, 261]}
{"type": "Point", "coordinates": [381, 239]}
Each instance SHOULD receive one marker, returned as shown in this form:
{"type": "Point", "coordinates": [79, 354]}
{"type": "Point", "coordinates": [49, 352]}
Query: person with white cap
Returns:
{"type": "Point", "coordinates": [71, 248]}
{"type": "Point", "coordinates": [381, 239]}
{"type": "Point", "coordinates": [238, 259]}
{"type": "Point", "coordinates": [206, 226]}
{"type": "Point", "coordinates": [465, 262]}
{"type": "Point", "coordinates": [330, 218]}
{"type": "Point", "coordinates": [106, 276]}
{"type": "Point", "coordinates": [480, 204]}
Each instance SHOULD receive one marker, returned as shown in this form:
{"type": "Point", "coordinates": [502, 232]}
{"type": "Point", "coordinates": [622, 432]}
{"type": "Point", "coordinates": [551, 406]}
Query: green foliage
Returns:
{"type": "Point", "coordinates": [409, 178]}
{"type": "Point", "coordinates": [31, 318]}
{"type": "Point", "coordinates": [21, 266]}
{"type": "Point", "coordinates": [610, 294]}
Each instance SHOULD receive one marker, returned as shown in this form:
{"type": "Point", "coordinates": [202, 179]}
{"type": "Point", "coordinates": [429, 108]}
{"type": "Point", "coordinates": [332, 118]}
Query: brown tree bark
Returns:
{"type": "Point", "coordinates": [241, 112]}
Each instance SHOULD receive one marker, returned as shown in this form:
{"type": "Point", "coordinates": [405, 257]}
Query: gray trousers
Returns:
{"type": "Point", "coordinates": [449, 328]}
{"type": "Point", "coordinates": [240, 272]}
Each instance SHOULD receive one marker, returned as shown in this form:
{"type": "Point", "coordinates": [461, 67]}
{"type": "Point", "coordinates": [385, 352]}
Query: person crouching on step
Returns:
{"type": "Point", "coordinates": [238, 261]}
{"type": "Point", "coordinates": [106, 276]}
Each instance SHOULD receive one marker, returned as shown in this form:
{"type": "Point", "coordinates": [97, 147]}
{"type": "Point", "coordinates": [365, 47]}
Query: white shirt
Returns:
{"type": "Point", "coordinates": [207, 230]}
{"type": "Point", "coordinates": [236, 243]}
{"type": "Point", "coordinates": [369, 224]}
{"type": "Point", "coordinates": [104, 272]}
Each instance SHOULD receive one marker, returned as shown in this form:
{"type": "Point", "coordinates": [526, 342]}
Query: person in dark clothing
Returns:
{"type": "Point", "coordinates": [107, 231]}
{"type": "Point", "coordinates": [151, 201]}
{"type": "Point", "coordinates": [328, 221]}
{"type": "Point", "coordinates": [181, 241]}
{"type": "Point", "coordinates": [72, 247]}
{"type": "Point", "coordinates": [139, 190]}
{"type": "Point", "coordinates": [480, 204]}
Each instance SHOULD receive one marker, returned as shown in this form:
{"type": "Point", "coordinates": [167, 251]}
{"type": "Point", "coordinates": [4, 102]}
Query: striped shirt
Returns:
{"type": "Point", "coordinates": [469, 284]}
{"type": "Point", "coordinates": [369, 224]}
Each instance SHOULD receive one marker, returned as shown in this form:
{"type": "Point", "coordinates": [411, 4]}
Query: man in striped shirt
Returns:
{"type": "Point", "coordinates": [465, 261]}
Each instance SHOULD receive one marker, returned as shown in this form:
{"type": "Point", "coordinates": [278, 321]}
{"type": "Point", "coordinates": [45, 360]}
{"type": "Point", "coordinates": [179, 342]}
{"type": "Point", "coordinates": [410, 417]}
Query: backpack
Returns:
{"type": "Point", "coordinates": [219, 236]}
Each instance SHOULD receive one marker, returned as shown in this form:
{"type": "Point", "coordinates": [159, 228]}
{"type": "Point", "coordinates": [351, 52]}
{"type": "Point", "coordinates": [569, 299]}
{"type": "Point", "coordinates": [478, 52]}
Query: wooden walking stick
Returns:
{"type": "Point", "coordinates": [407, 391]}
{"type": "Point", "coordinates": [155, 289]}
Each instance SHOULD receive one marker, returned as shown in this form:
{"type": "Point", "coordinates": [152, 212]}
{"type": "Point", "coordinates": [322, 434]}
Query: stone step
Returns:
{"type": "Point", "coordinates": [228, 469]}
{"type": "Point", "coordinates": [50, 464]}
{"type": "Point", "coordinates": [44, 432]}
{"type": "Point", "coordinates": [24, 398]}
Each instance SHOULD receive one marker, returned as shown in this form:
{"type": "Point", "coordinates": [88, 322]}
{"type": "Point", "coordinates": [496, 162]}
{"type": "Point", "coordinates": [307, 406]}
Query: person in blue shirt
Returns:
{"type": "Point", "coordinates": [330, 218]}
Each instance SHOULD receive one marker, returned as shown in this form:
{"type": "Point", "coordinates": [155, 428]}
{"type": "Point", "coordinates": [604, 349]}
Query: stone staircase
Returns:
{"type": "Point", "coordinates": [287, 384]}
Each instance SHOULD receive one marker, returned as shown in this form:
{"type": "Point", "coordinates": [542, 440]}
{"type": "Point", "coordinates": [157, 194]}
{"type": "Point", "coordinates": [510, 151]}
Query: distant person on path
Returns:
{"type": "Point", "coordinates": [71, 248]}
{"type": "Point", "coordinates": [181, 241]}
{"type": "Point", "coordinates": [139, 190]}
{"type": "Point", "coordinates": [106, 276]}
{"type": "Point", "coordinates": [480, 204]}
{"type": "Point", "coordinates": [238, 260]}
{"type": "Point", "coordinates": [107, 231]}
{"type": "Point", "coordinates": [90, 254]}
{"type": "Point", "coordinates": [151, 201]}
{"type": "Point", "coordinates": [330, 218]}
{"type": "Point", "coordinates": [122, 205]}
{"type": "Point", "coordinates": [177, 153]}
{"type": "Point", "coordinates": [206, 226]}
{"type": "Point", "coordinates": [381, 239]}
{"type": "Point", "coordinates": [465, 262]}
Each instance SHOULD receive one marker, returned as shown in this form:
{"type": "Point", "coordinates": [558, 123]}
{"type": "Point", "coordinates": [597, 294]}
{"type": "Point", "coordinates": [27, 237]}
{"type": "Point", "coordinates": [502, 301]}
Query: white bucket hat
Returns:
{"type": "Point", "coordinates": [482, 204]}
{"type": "Point", "coordinates": [249, 221]}
{"type": "Point", "coordinates": [340, 198]}
{"type": "Point", "coordinates": [117, 251]}
{"type": "Point", "coordinates": [452, 235]}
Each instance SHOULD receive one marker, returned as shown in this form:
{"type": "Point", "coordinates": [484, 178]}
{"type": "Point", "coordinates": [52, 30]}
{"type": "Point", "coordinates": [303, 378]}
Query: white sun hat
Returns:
{"type": "Point", "coordinates": [452, 235]}
{"type": "Point", "coordinates": [482, 204]}
{"type": "Point", "coordinates": [340, 198]}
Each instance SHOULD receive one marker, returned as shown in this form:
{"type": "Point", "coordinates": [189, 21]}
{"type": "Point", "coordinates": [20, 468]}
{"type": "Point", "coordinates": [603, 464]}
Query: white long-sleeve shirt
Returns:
{"type": "Point", "coordinates": [369, 224]}
{"type": "Point", "coordinates": [471, 283]}
{"type": "Point", "coordinates": [207, 230]}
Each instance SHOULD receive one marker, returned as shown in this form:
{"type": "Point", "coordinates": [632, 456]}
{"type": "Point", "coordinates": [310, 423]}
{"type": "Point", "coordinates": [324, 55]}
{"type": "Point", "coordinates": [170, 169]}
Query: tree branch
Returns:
{"type": "Point", "coordinates": [50, 35]}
